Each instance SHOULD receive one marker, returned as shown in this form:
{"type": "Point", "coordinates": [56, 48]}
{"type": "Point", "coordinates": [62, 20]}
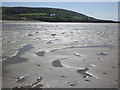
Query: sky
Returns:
{"type": "Point", "coordinates": [99, 10]}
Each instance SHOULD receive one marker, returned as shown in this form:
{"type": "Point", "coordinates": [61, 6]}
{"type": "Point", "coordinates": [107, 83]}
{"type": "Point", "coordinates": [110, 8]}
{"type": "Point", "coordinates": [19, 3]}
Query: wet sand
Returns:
{"type": "Point", "coordinates": [60, 55]}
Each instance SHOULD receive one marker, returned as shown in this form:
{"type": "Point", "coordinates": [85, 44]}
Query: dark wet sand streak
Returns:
{"type": "Point", "coordinates": [17, 59]}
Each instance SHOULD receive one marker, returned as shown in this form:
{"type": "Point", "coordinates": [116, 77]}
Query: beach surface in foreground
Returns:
{"type": "Point", "coordinates": [60, 55]}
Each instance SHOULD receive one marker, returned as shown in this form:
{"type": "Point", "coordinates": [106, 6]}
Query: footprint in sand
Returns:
{"type": "Point", "coordinates": [40, 53]}
{"type": "Point", "coordinates": [77, 54]}
{"type": "Point", "coordinates": [103, 53]}
{"type": "Point", "coordinates": [36, 84]}
{"type": "Point", "coordinates": [85, 73]}
{"type": "Point", "coordinates": [74, 83]}
{"type": "Point", "coordinates": [57, 63]}
{"type": "Point", "coordinates": [22, 78]}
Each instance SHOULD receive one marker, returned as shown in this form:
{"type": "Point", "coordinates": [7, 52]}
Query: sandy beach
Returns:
{"type": "Point", "coordinates": [60, 55]}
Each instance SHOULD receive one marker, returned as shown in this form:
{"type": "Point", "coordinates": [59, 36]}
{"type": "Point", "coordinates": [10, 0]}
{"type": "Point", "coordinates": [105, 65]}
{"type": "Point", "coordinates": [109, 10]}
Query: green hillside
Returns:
{"type": "Point", "coordinates": [45, 14]}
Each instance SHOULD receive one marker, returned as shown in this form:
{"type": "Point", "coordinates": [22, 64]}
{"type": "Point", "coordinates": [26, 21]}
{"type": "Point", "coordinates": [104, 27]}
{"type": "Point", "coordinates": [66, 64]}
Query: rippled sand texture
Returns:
{"type": "Point", "coordinates": [60, 55]}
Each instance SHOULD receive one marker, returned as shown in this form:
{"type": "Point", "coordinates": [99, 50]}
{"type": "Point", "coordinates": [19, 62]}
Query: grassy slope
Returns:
{"type": "Point", "coordinates": [33, 14]}
{"type": "Point", "coordinates": [45, 14]}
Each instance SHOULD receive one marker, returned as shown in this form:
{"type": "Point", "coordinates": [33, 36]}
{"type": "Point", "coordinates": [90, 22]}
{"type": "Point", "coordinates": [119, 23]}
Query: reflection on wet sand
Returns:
{"type": "Point", "coordinates": [65, 55]}
{"type": "Point", "coordinates": [17, 58]}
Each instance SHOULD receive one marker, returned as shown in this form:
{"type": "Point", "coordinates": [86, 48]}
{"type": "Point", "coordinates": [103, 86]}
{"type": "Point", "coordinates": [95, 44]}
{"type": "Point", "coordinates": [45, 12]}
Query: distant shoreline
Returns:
{"type": "Point", "coordinates": [21, 21]}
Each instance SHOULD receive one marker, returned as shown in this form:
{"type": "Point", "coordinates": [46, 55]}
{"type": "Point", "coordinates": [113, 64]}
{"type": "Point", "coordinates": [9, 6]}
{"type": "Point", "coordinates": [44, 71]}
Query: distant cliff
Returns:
{"type": "Point", "coordinates": [46, 14]}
